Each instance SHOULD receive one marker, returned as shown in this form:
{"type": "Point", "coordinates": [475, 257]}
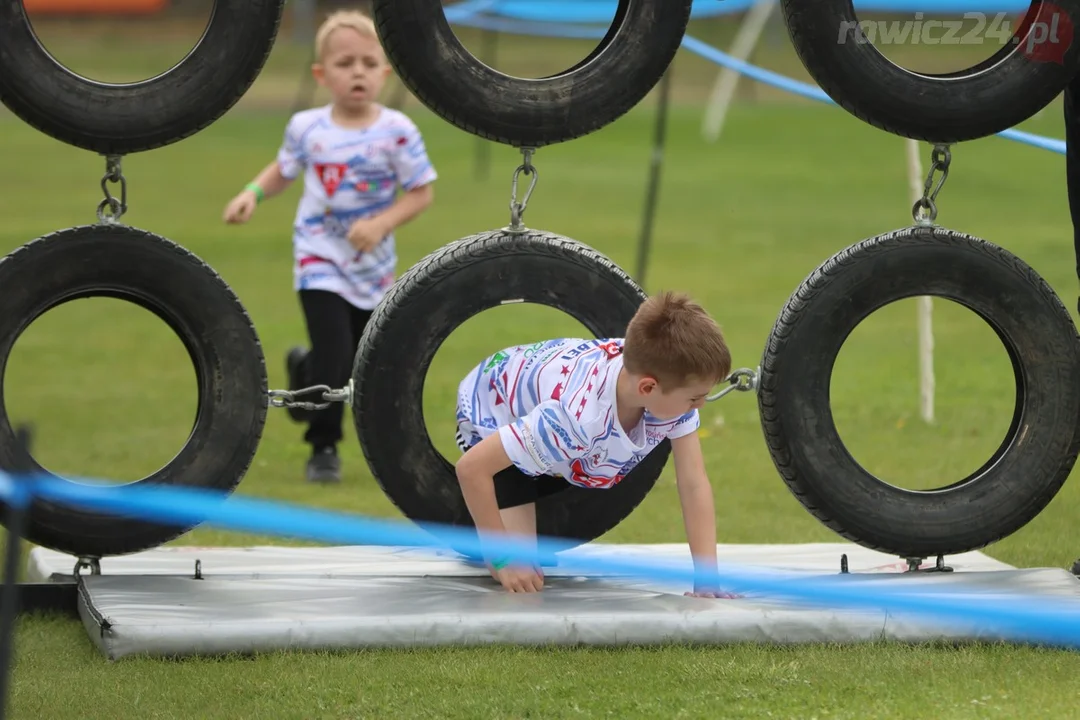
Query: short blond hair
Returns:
{"type": "Point", "coordinates": [673, 339]}
{"type": "Point", "coordinates": [353, 19]}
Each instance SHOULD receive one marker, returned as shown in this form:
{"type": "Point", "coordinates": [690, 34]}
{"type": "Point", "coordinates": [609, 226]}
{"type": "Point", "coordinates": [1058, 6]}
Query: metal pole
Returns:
{"type": "Point", "coordinates": [303, 16]}
{"type": "Point", "coordinates": [1072, 162]}
{"type": "Point", "coordinates": [16, 518]}
{"type": "Point", "coordinates": [655, 165]}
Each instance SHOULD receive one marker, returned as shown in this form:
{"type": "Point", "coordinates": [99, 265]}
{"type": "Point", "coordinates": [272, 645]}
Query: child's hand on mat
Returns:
{"type": "Point", "coordinates": [520, 578]}
{"type": "Point", "coordinates": [704, 592]}
{"type": "Point", "coordinates": [366, 233]}
{"type": "Point", "coordinates": [241, 208]}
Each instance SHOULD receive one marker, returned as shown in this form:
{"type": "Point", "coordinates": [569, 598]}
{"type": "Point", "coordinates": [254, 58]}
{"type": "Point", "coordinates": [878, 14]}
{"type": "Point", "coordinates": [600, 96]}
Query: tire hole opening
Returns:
{"type": "Point", "coordinates": [106, 388]}
{"type": "Point", "coordinates": [931, 42]}
{"type": "Point", "coordinates": [877, 405]}
{"type": "Point", "coordinates": [122, 41]}
{"type": "Point", "coordinates": [478, 337]}
{"type": "Point", "coordinates": [534, 54]}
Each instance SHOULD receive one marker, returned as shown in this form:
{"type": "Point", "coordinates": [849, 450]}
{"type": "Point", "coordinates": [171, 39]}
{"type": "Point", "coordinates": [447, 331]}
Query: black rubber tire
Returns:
{"type": "Point", "coordinates": [1040, 447]}
{"type": "Point", "coordinates": [423, 308]}
{"type": "Point", "coordinates": [990, 97]}
{"type": "Point", "coordinates": [126, 118]}
{"type": "Point", "coordinates": [129, 264]}
{"type": "Point", "coordinates": [643, 39]}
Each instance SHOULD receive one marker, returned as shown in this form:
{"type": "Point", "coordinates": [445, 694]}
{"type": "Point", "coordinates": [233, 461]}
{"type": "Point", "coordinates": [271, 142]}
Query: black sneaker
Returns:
{"type": "Point", "coordinates": [294, 366]}
{"type": "Point", "coordinates": [324, 466]}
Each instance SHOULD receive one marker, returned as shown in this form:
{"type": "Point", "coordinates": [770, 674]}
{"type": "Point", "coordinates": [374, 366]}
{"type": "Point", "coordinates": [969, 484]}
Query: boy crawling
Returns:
{"type": "Point", "coordinates": [532, 419]}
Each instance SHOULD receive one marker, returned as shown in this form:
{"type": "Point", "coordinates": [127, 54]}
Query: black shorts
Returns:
{"type": "Point", "coordinates": [514, 488]}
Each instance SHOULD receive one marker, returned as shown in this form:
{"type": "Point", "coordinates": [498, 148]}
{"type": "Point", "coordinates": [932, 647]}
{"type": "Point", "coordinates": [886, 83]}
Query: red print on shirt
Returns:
{"type": "Point", "coordinates": [612, 349]}
{"type": "Point", "coordinates": [580, 477]}
{"type": "Point", "coordinates": [331, 175]}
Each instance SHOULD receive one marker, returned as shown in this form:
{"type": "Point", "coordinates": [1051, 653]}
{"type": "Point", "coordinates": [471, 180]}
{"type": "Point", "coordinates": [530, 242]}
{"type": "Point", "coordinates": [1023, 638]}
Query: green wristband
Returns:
{"type": "Point", "coordinates": [259, 194]}
{"type": "Point", "coordinates": [500, 563]}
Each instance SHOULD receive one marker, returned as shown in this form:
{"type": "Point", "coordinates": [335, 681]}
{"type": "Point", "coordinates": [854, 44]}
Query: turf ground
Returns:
{"type": "Point", "coordinates": [740, 224]}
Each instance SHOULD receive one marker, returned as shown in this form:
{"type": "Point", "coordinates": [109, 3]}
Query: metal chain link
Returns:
{"type": "Point", "coordinates": [925, 210]}
{"type": "Point", "coordinates": [288, 398]}
{"type": "Point", "coordinates": [743, 380]}
{"type": "Point", "coordinates": [116, 208]}
{"type": "Point", "coordinates": [92, 564]}
{"type": "Point", "coordinates": [517, 209]}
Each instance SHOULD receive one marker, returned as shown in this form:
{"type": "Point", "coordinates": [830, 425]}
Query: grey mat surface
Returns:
{"type": "Point", "coordinates": [273, 598]}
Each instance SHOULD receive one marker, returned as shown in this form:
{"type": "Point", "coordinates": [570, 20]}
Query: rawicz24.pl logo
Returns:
{"type": "Point", "coordinates": [1044, 38]}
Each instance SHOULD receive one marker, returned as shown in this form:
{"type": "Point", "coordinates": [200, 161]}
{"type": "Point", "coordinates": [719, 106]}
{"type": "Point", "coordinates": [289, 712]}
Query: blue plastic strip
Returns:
{"type": "Point", "coordinates": [602, 11]}
{"type": "Point", "coordinates": [1017, 618]}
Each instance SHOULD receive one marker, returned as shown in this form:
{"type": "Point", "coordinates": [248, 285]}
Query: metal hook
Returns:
{"type": "Point", "coordinates": [743, 380]}
{"type": "Point", "coordinates": [517, 209]}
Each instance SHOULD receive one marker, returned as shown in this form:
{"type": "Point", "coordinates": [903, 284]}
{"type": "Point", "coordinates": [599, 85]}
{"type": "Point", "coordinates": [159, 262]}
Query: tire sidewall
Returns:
{"type": "Point", "coordinates": [798, 365]}
{"type": "Point", "coordinates": [117, 261]}
{"type": "Point", "coordinates": [127, 118]}
{"type": "Point", "coordinates": [967, 105]}
{"type": "Point", "coordinates": [439, 294]}
{"type": "Point", "coordinates": [432, 62]}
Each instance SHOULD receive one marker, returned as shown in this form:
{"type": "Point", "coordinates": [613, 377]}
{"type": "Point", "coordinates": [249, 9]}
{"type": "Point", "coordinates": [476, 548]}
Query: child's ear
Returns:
{"type": "Point", "coordinates": [319, 73]}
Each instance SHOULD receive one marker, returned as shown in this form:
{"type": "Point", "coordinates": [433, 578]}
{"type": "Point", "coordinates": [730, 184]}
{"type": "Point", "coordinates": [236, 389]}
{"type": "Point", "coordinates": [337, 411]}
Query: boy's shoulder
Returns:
{"type": "Point", "coordinates": [568, 348]}
{"type": "Point", "coordinates": [396, 120]}
{"type": "Point", "coordinates": [389, 119]}
{"type": "Point", "coordinates": [303, 120]}
{"type": "Point", "coordinates": [569, 370]}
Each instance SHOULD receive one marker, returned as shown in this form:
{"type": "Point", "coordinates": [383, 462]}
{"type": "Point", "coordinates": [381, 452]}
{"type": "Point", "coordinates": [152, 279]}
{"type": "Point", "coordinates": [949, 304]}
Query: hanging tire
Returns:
{"type": "Point", "coordinates": [434, 65]}
{"type": "Point", "coordinates": [125, 118]}
{"type": "Point", "coordinates": [1017, 81]}
{"type": "Point", "coordinates": [129, 264]}
{"type": "Point", "coordinates": [423, 308]}
{"type": "Point", "coordinates": [1039, 448]}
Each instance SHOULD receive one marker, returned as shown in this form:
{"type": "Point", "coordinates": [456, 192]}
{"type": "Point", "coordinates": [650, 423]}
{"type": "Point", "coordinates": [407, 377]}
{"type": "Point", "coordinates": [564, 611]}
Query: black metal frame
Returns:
{"type": "Point", "coordinates": [1071, 111]}
{"type": "Point", "coordinates": [19, 598]}
{"type": "Point", "coordinates": [652, 192]}
{"type": "Point", "coordinates": [9, 606]}
{"type": "Point", "coordinates": [914, 565]}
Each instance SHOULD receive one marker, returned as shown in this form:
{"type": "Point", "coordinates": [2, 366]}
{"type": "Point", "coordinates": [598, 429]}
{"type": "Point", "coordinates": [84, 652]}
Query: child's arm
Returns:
{"type": "Point", "coordinates": [407, 206]}
{"type": "Point", "coordinates": [276, 177]}
{"type": "Point", "coordinates": [270, 181]}
{"type": "Point", "coordinates": [267, 184]}
{"type": "Point", "coordinates": [366, 233]}
{"type": "Point", "coordinates": [698, 509]}
{"type": "Point", "coordinates": [416, 174]}
{"type": "Point", "coordinates": [476, 474]}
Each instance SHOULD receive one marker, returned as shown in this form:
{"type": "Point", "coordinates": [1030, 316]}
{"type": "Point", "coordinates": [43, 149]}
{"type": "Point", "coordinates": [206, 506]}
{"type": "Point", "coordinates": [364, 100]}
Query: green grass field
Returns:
{"type": "Point", "coordinates": [740, 225]}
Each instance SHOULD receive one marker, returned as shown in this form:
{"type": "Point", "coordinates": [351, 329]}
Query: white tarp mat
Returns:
{"type": "Point", "coordinates": [280, 598]}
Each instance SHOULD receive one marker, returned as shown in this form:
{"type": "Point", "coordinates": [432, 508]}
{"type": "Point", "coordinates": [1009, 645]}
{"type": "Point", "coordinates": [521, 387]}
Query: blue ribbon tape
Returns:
{"type": "Point", "coordinates": [1016, 617]}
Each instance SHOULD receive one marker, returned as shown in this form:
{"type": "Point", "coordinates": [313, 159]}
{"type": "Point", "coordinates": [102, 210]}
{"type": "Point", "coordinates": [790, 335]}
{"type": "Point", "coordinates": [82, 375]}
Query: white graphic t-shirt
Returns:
{"type": "Point", "coordinates": [349, 174]}
{"type": "Point", "coordinates": [554, 406]}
